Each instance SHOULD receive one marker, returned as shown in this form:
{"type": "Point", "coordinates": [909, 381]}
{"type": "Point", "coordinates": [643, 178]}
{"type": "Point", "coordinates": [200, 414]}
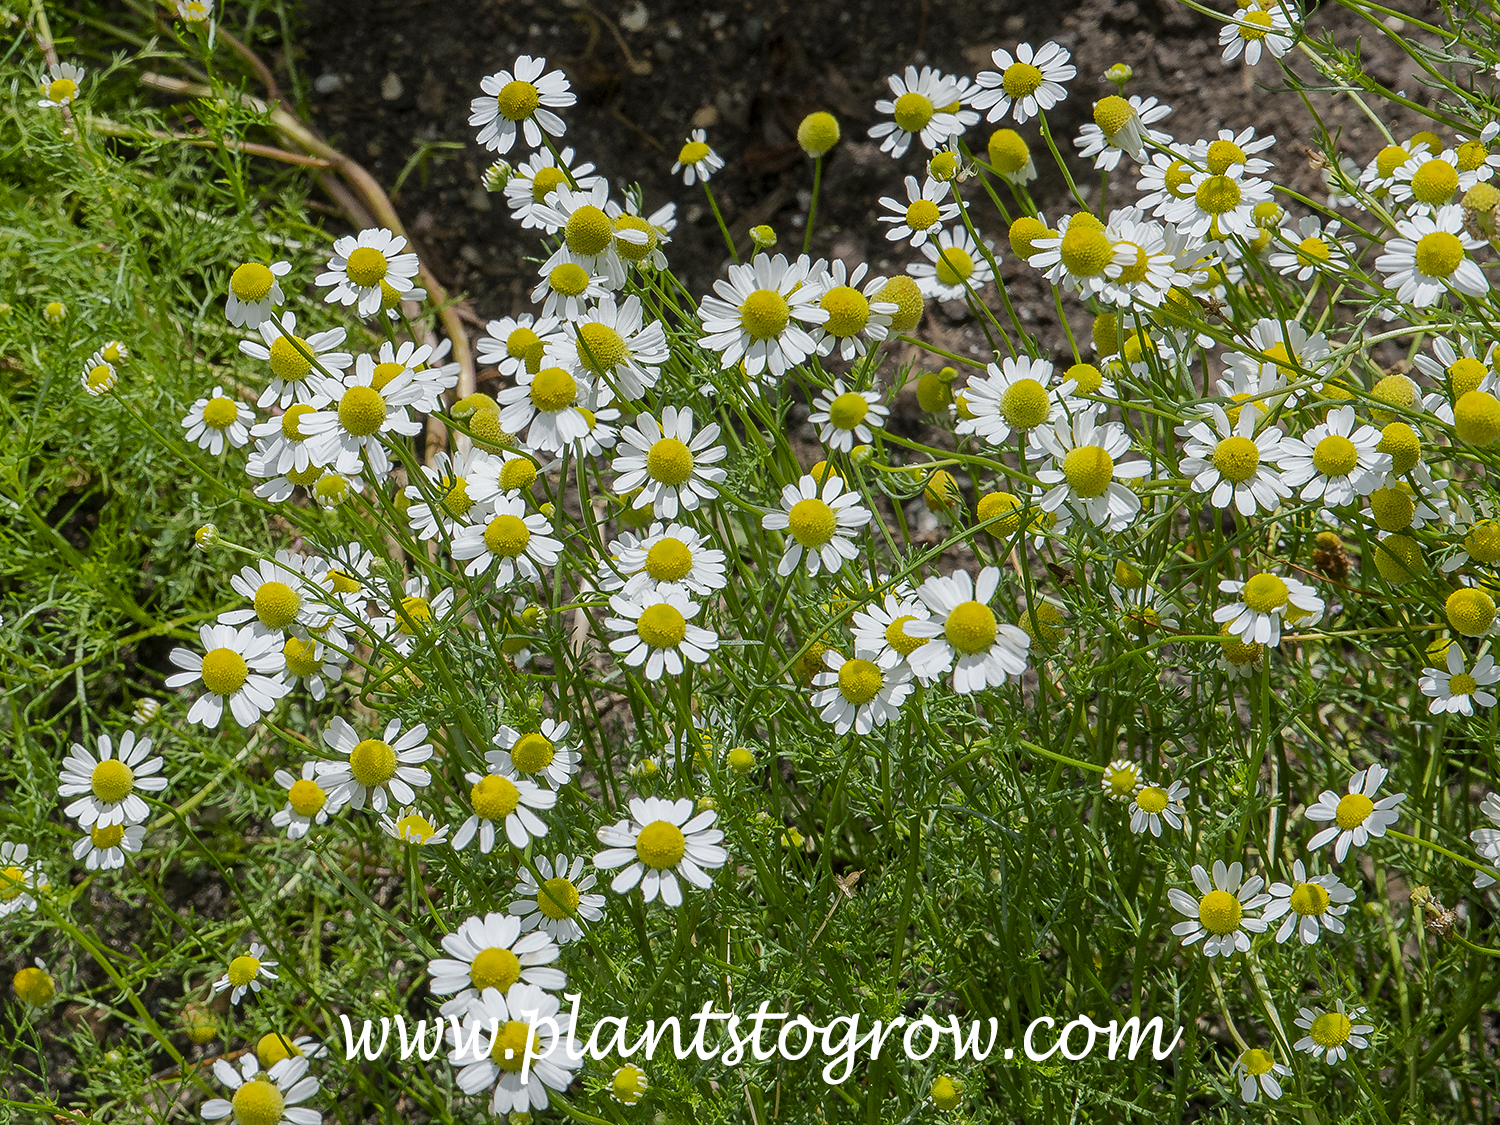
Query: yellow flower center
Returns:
{"type": "Point", "coordinates": [812, 522]}
{"type": "Point", "coordinates": [848, 410]}
{"type": "Point", "coordinates": [1434, 182]}
{"type": "Point", "coordinates": [557, 898]}
{"type": "Point", "coordinates": [258, 1102]}
{"type": "Point", "coordinates": [631, 251]}
{"type": "Point", "coordinates": [1257, 1062]}
{"type": "Point", "coordinates": [12, 883]}
{"type": "Point", "coordinates": [1265, 593]}
{"type": "Point", "coordinates": [384, 373]}
{"type": "Point", "coordinates": [1178, 179]}
{"type": "Point", "coordinates": [112, 780]}
{"type": "Point", "coordinates": [373, 762]}
{"type": "Point", "coordinates": [542, 184]}
{"type": "Point", "coordinates": [1152, 799]}
{"type": "Point", "coordinates": [1089, 470]}
{"type": "Point", "coordinates": [1224, 155]}
{"type": "Point", "coordinates": [1219, 911]}
{"type": "Point", "coordinates": [517, 100]}
{"type": "Point", "coordinates": [669, 461]}
{"type": "Point", "coordinates": [1139, 269]}
{"type": "Point", "coordinates": [287, 363]}
{"type": "Point", "coordinates": [100, 377]}
{"type": "Point", "coordinates": [1236, 458]}
{"type": "Point", "coordinates": [272, 1047]}
{"type": "Point", "coordinates": [1218, 195]}
{"type": "Point", "coordinates": [1085, 250]}
{"type": "Point", "coordinates": [1312, 251]}
{"type": "Point", "coordinates": [954, 265]}
{"type": "Point", "coordinates": [366, 267]}
{"type": "Point", "coordinates": [1393, 508]}
{"type": "Point", "coordinates": [1112, 114]}
{"type": "Point", "coordinates": [848, 311]}
{"type": "Point", "coordinates": [589, 231]}
{"type": "Point", "coordinates": [1476, 417]}
{"type": "Point", "coordinates": [1331, 1029]}
{"type": "Point", "coordinates": [971, 628]}
{"type": "Point", "coordinates": [1025, 404]}
{"type": "Point", "coordinates": [34, 986]}
{"type": "Point", "coordinates": [1439, 253]}
{"type": "Point", "coordinates": [532, 753]}
{"type": "Point", "coordinates": [764, 314]}
{"type": "Point", "coordinates": [661, 845]}
{"type": "Point", "coordinates": [1388, 159]}
{"type": "Point", "coordinates": [1471, 611]}
{"type": "Point", "coordinates": [662, 626]}
{"type": "Point", "coordinates": [692, 152]}
{"type": "Point", "coordinates": [276, 604]}
{"type": "Point", "coordinates": [600, 347]}
{"type": "Point", "coordinates": [1087, 377]}
{"type": "Point", "coordinates": [922, 214]}
{"type": "Point", "coordinates": [669, 560]}
{"type": "Point", "coordinates": [62, 90]}
{"type": "Point", "coordinates": [362, 411]}
{"type": "Point", "coordinates": [1309, 898]}
{"type": "Point", "coordinates": [242, 970]}
{"type": "Point", "coordinates": [1464, 375]}
{"type": "Point", "coordinates": [1483, 541]}
{"type": "Point", "coordinates": [1463, 684]}
{"type": "Point", "coordinates": [1471, 155]}
{"type": "Point", "coordinates": [1121, 781]}
{"type": "Point", "coordinates": [1353, 810]}
{"type": "Point", "coordinates": [290, 428]}
{"type": "Point", "coordinates": [507, 536]}
{"type": "Point", "coordinates": [520, 342]}
{"type": "Point", "coordinates": [307, 798]}
{"type": "Point", "coordinates": [568, 279]}
{"type": "Point", "coordinates": [1401, 442]}
{"type": "Point", "coordinates": [509, 1049]}
{"type": "Point", "coordinates": [1021, 79]}
{"type": "Point", "coordinates": [220, 412]}
{"type": "Point", "coordinates": [517, 473]}
{"type": "Point", "coordinates": [860, 681]}
{"type": "Point", "coordinates": [899, 639]}
{"type": "Point", "coordinates": [1335, 456]}
{"type": "Point", "coordinates": [224, 671]}
{"type": "Point", "coordinates": [106, 838]}
{"type": "Point", "coordinates": [553, 389]}
{"type": "Point", "coordinates": [1260, 23]}
{"type": "Point", "coordinates": [913, 111]}
{"type": "Point", "coordinates": [251, 282]}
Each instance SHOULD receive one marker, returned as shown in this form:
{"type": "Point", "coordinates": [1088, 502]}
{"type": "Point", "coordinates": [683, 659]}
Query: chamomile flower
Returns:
{"type": "Point", "coordinates": [540, 755]}
{"type": "Point", "coordinates": [855, 315]}
{"type": "Point", "coordinates": [1279, 353]}
{"type": "Point", "coordinates": [307, 802]}
{"type": "Point", "coordinates": [661, 841]}
{"type": "Point", "coordinates": [283, 597]}
{"type": "Point", "coordinates": [18, 878]}
{"type": "Point", "coordinates": [820, 524]}
{"type": "Point", "coordinates": [613, 343]}
{"type": "Point", "coordinates": [1487, 840]}
{"type": "Point", "coordinates": [881, 628]}
{"type": "Point", "coordinates": [639, 237]}
{"type": "Point", "coordinates": [412, 827]}
{"type": "Point", "coordinates": [1166, 179]}
{"type": "Point", "coordinates": [758, 314]}
{"type": "Point", "coordinates": [1310, 905]}
{"type": "Point", "coordinates": [1220, 918]}
{"type": "Point", "coordinates": [512, 802]}
{"type": "Point", "coordinates": [1152, 804]}
{"type": "Point", "coordinates": [417, 614]}
{"type": "Point", "coordinates": [1456, 372]}
{"type": "Point", "coordinates": [520, 100]}
{"type": "Point", "coordinates": [954, 265]}
{"type": "Point", "coordinates": [1122, 778]}
{"type": "Point", "coordinates": [293, 377]}
{"type": "Point", "coordinates": [628, 1084]}
{"type": "Point", "coordinates": [567, 289]}
{"type": "Point", "coordinates": [267, 1097]}
{"type": "Point", "coordinates": [515, 343]}
{"type": "Point", "coordinates": [1120, 128]}
{"type": "Point", "coordinates": [1258, 1072]}
{"type": "Point", "coordinates": [556, 904]}
{"type": "Point", "coordinates": [108, 784]}
{"type": "Point", "coordinates": [375, 769]}
{"type": "Point", "coordinates": [1255, 30]}
{"type": "Point", "coordinates": [844, 417]}
{"type": "Point", "coordinates": [103, 847]}
{"type": "Point", "coordinates": [1077, 255]}
{"type": "Point", "coordinates": [99, 376]}
{"type": "Point", "coordinates": [672, 468]}
{"type": "Point", "coordinates": [362, 264]}
{"type": "Point", "coordinates": [675, 555]}
{"type": "Point", "coordinates": [529, 1021]}
{"type": "Point", "coordinates": [1314, 247]}
{"type": "Point", "coordinates": [1455, 690]}
{"type": "Point", "coordinates": [1332, 1032]}
{"type": "Point", "coordinates": [1334, 460]}
{"type": "Point", "coordinates": [239, 667]}
{"type": "Point", "coordinates": [1016, 394]}
{"type": "Point", "coordinates": [696, 161]}
{"type": "Point", "coordinates": [509, 540]}
{"type": "Point", "coordinates": [64, 80]}
{"type": "Point", "coordinates": [447, 481]}
{"type": "Point", "coordinates": [195, 11]}
{"type": "Point", "coordinates": [218, 420]}
{"type": "Point", "coordinates": [923, 214]}
{"type": "Point", "coordinates": [859, 694]}
{"type": "Point", "coordinates": [963, 633]}
{"type": "Point", "coordinates": [1084, 470]}
{"type": "Point", "coordinates": [1263, 602]}
{"type": "Point", "coordinates": [1142, 267]}
{"type": "Point", "coordinates": [1234, 464]}
{"type": "Point", "coordinates": [244, 974]}
{"type": "Point", "coordinates": [359, 414]}
{"type": "Point", "coordinates": [431, 376]}
{"type": "Point", "coordinates": [658, 632]}
{"type": "Point", "coordinates": [1218, 205]}
{"type": "Point", "coordinates": [588, 233]}
{"type": "Point", "coordinates": [919, 108]}
{"type": "Point", "coordinates": [1356, 816]}
{"type": "Point", "coordinates": [533, 181]}
{"type": "Point", "coordinates": [1427, 183]}
{"type": "Point", "coordinates": [1026, 84]}
{"type": "Point", "coordinates": [1430, 257]}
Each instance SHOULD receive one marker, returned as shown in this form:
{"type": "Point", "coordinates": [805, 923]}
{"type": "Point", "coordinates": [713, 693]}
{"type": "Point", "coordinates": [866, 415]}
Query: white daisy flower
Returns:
{"type": "Point", "coordinates": [758, 315]}
{"type": "Point", "coordinates": [1143, 266]}
{"type": "Point", "coordinates": [109, 782]}
{"type": "Point", "coordinates": [533, 181]}
{"type": "Point", "coordinates": [268, 1097]}
{"type": "Point", "coordinates": [1025, 85]}
{"type": "Point", "coordinates": [660, 841]}
{"type": "Point", "coordinates": [540, 755]}
{"type": "Point", "coordinates": [99, 376]}
{"type": "Point", "coordinates": [245, 974]}
{"type": "Point", "coordinates": [492, 952]}
{"type": "Point", "coordinates": [559, 901]}
{"type": "Point", "coordinates": [1083, 470]}
{"type": "Point", "coordinates": [448, 479]}
{"type": "Point", "coordinates": [1333, 460]}
{"type": "Point", "coordinates": [1332, 1032]}
{"type": "Point", "coordinates": [240, 667]}
{"type": "Point", "coordinates": [1314, 246]}
{"type": "Point", "coordinates": [284, 449]}
{"type": "Point", "coordinates": [419, 614]}
{"type": "Point", "coordinates": [923, 215]}
{"type": "Point", "coordinates": [62, 85]}
{"type": "Point", "coordinates": [412, 827]}
{"type": "Point", "coordinates": [1486, 840]}
{"type": "Point", "coordinates": [1455, 690]}
{"type": "Point", "coordinates": [433, 377]}
{"type": "Point", "coordinates": [195, 11]}
{"type": "Point", "coordinates": [292, 375]}
{"type": "Point", "coordinates": [639, 238]}
{"type": "Point", "coordinates": [1380, 174]}
{"type": "Point", "coordinates": [1122, 779]}
{"type": "Point", "coordinates": [1253, 30]}
{"type": "Point", "coordinates": [1166, 179]}
{"type": "Point", "coordinates": [588, 233]}
{"type": "Point", "coordinates": [511, 803]}
{"type": "Point", "coordinates": [1220, 205]}
{"type": "Point", "coordinates": [1121, 128]}
{"type": "Point", "coordinates": [855, 316]}
{"type": "Point", "coordinates": [1310, 905]}
{"type": "Point", "coordinates": [509, 540]}
{"type": "Point", "coordinates": [1428, 183]}
{"type": "Point", "coordinates": [1263, 601]}
{"type": "Point", "coordinates": [1078, 254]}
{"type": "Point", "coordinates": [696, 161]}
{"type": "Point", "coordinates": [1016, 394]}
{"type": "Point", "coordinates": [1281, 353]}
{"type": "Point", "coordinates": [1145, 610]}
{"type": "Point", "coordinates": [675, 555]}
{"type": "Point", "coordinates": [103, 848]}
{"type": "Point", "coordinates": [1431, 257]}
{"type": "Point", "coordinates": [921, 108]}
{"type": "Point", "coordinates": [520, 100]}
{"type": "Point", "coordinates": [602, 420]}
{"type": "Point", "coordinates": [283, 597]}
{"type": "Point", "coordinates": [254, 290]}
{"type": "Point", "coordinates": [18, 878]}
{"type": "Point", "coordinates": [844, 417]}
{"type": "Point", "coordinates": [1356, 816]}
{"type": "Point", "coordinates": [954, 266]}
{"type": "Point", "coordinates": [820, 524]}
{"type": "Point", "coordinates": [359, 414]}
{"type": "Point", "coordinates": [567, 289]}
{"type": "Point", "coordinates": [1221, 915]}
{"type": "Point", "coordinates": [1257, 1072]}
{"type": "Point", "coordinates": [1232, 463]}
{"type": "Point", "coordinates": [307, 802]}
{"type": "Point", "coordinates": [375, 769]}
{"type": "Point", "coordinates": [672, 468]}
{"type": "Point", "coordinates": [962, 633]}
{"type": "Point", "coordinates": [547, 405]}
{"type": "Point", "coordinates": [859, 694]}
{"type": "Point", "coordinates": [613, 343]}
{"type": "Point", "coordinates": [363, 265]}
{"type": "Point", "coordinates": [1151, 804]}
{"type": "Point", "coordinates": [515, 344]}
{"type": "Point", "coordinates": [515, 1014]}
{"type": "Point", "coordinates": [659, 631]}
{"type": "Point", "coordinates": [1233, 150]}
{"type": "Point", "coordinates": [217, 420]}
{"type": "Point", "coordinates": [1456, 372]}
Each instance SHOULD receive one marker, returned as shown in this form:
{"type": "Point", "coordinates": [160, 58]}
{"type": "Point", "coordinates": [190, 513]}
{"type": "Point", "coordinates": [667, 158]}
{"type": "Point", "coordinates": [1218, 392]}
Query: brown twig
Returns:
{"type": "Point", "coordinates": [202, 140]}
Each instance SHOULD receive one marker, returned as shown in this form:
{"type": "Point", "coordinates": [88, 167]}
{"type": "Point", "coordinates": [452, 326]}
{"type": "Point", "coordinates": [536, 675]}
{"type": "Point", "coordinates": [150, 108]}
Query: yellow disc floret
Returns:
{"type": "Point", "coordinates": [224, 671]}
{"type": "Point", "coordinates": [1237, 458]}
{"type": "Point", "coordinates": [112, 780]}
{"type": "Point", "coordinates": [1476, 417]}
{"type": "Point", "coordinates": [258, 1102]}
{"type": "Point", "coordinates": [971, 628]}
{"type": "Point", "coordinates": [517, 100]}
{"type": "Point", "coordinates": [662, 626]}
{"type": "Point", "coordinates": [372, 762]}
{"type": "Point", "coordinates": [1471, 611]}
{"type": "Point", "coordinates": [661, 845]}
{"type": "Point", "coordinates": [1219, 912]}
{"type": "Point", "coordinates": [1089, 469]}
